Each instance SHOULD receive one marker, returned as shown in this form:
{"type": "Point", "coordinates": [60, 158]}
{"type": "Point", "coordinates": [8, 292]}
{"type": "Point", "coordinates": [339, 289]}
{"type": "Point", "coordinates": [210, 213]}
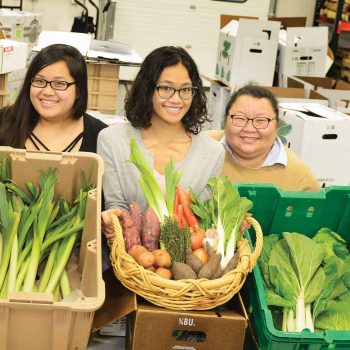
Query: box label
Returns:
{"type": "Point", "coordinates": [185, 321]}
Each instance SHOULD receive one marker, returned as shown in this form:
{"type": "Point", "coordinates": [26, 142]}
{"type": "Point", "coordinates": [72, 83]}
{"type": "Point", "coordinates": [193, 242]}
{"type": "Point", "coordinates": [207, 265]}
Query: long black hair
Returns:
{"type": "Point", "coordinates": [20, 119]}
{"type": "Point", "coordinates": [138, 102]}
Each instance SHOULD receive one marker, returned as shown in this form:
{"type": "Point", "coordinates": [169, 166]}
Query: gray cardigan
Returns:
{"type": "Point", "coordinates": [203, 160]}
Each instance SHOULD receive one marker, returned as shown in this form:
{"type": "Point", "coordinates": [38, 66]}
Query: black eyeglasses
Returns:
{"type": "Point", "coordinates": [186, 93]}
{"type": "Point", "coordinates": [258, 123]}
{"type": "Point", "coordinates": [60, 85]}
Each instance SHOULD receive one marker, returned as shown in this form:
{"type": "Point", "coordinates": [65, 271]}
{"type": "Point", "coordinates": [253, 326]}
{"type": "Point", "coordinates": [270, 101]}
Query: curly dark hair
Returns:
{"type": "Point", "coordinates": [20, 119]}
{"type": "Point", "coordinates": [253, 91]}
{"type": "Point", "coordinates": [138, 102]}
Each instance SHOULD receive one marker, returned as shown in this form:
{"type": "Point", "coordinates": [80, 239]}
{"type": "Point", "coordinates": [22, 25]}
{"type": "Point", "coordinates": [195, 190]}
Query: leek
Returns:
{"type": "Point", "coordinates": [162, 205]}
{"type": "Point", "coordinates": [47, 182]}
{"type": "Point", "coordinates": [64, 284]}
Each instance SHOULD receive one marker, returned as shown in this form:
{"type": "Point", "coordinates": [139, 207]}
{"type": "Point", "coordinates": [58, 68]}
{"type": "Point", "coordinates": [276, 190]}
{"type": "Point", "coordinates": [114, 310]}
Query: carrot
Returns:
{"type": "Point", "coordinates": [181, 216]}
{"type": "Point", "coordinates": [188, 196]}
{"type": "Point", "coordinates": [176, 201]}
{"type": "Point", "coordinates": [189, 215]}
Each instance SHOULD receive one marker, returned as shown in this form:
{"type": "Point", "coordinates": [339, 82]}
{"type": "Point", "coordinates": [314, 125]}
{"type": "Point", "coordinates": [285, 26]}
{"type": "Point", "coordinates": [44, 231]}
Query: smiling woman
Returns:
{"type": "Point", "coordinates": [166, 108]}
{"type": "Point", "coordinates": [254, 153]}
{"type": "Point", "coordinates": [50, 111]}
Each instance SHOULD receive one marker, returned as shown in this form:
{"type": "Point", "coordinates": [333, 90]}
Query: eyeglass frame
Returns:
{"type": "Point", "coordinates": [252, 120]}
{"type": "Point", "coordinates": [50, 82]}
{"type": "Point", "coordinates": [193, 88]}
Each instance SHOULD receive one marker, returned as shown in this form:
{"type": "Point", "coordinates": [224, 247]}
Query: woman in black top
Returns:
{"type": "Point", "coordinates": [49, 113]}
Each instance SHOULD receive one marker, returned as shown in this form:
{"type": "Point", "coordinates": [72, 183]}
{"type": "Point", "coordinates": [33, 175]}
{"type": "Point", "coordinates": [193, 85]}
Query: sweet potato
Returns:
{"type": "Point", "coordinates": [165, 273]}
{"type": "Point", "coordinates": [208, 269]}
{"type": "Point", "coordinates": [130, 232]}
{"type": "Point", "coordinates": [183, 271]}
{"type": "Point", "coordinates": [161, 258]}
{"type": "Point", "coordinates": [136, 214]}
{"type": "Point", "coordinates": [136, 250]}
{"type": "Point", "coordinates": [150, 229]}
{"type": "Point", "coordinates": [146, 259]}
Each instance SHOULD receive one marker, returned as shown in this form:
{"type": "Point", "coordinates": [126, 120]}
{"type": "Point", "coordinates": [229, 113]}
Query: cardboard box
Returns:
{"type": "Point", "coordinates": [244, 47]}
{"type": "Point", "coordinates": [197, 330]}
{"type": "Point", "coordinates": [13, 55]}
{"type": "Point", "coordinates": [302, 51]}
{"type": "Point", "coordinates": [223, 329]}
{"type": "Point", "coordinates": [338, 94]}
{"type": "Point", "coordinates": [34, 321]}
{"type": "Point", "coordinates": [320, 136]}
{"type": "Point", "coordinates": [297, 95]}
{"type": "Point", "coordinates": [218, 97]}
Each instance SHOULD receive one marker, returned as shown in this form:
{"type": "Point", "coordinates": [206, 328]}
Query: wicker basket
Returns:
{"type": "Point", "coordinates": [189, 294]}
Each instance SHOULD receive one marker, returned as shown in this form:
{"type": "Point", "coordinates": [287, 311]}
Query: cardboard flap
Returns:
{"type": "Point", "coordinates": [305, 37]}
{"type": "Point", "coordinates": [119, 302]}
{"type": "Point", "coordinates": [287, 22]}
{"type": "Point", "coordinates": [342, 85]}
{"type": "Point", "coordinates": [286, 92]}
{"type": "Point", "coordinates": [266, 30]}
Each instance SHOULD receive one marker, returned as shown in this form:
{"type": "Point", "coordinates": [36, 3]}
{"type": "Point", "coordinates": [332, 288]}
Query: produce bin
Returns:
{"type": "Point", "coordinates": [33, 321]}
{"type": "Point", "coordinates": [303, 212]}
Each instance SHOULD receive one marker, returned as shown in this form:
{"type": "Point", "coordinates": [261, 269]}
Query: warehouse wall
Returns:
{"type": "Point", "coordinates": [194, 24]}
{"type": "Point", "coordinates": [147, 24]}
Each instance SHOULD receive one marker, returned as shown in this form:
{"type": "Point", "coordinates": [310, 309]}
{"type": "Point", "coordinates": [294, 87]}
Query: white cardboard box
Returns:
{"type": "Point", "coordinates": [218, 97]}
{"type": "Point", "coordinates": [247, 52]}
{"type": "Point", "coordinates": [302, 51]}
{"type": "Point", "coordinates": [13, 55]}
{"type": "Point", "coordinates": [320, 136]}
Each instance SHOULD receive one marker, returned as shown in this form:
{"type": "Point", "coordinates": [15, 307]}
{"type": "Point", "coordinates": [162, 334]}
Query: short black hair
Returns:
{"type": "Point", "coordinates": [255, 91]}
{"type": "Point", "coordinates": [138, 101]}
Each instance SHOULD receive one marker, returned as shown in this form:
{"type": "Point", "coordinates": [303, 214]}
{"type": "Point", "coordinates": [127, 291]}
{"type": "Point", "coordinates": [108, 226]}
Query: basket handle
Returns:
{"type": "Point", "coordinates": [258, 243]}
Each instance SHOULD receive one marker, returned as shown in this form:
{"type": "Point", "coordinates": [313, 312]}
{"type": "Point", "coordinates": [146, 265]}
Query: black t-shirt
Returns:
{"type": "Point", "coordinates": [92, 127]}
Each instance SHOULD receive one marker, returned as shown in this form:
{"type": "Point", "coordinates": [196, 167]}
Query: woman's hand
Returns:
{"type": "Point", "coordinates": [106, 220]}
{"type": "Point", "coordinates": [245, 224]}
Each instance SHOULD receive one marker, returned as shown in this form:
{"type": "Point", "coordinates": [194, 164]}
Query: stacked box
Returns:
{"type": "Point", "coordinates": [305, 213]}
{"type": "Point", "coordinates": [103, 83]}
{"type": "Point", "coordinates": [34, 321]}
{"type": "Point", "coordinates": [244, 46]}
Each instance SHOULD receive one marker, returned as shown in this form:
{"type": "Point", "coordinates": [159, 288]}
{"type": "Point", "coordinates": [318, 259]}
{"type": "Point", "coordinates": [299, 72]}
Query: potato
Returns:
{"type": "Point", "coordinates": [162, 258]}
{"type": "Point", "coordinates": [165, 273]}
{"type": "Point", "coordinates": [194, 262]}
{"type": "Point", "coordinates": [146, 259]}
{"type": "Point", "coordinates": [232, 264]}
{"type": "Point", "coordinates": [183, 271]}
{"type": "Point", "coordinates": [136, 250]}
{"type": "Point", "coordinates": [151, 268]}
{"type": "Point", "coordinates": [208, 269]}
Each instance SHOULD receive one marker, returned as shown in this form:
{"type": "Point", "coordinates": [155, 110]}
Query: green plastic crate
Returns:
{"type": "Point", "coordinates": [304, 212]}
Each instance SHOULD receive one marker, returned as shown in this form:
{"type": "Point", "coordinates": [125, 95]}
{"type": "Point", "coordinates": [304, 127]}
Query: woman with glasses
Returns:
{"type": "Point", "coordinates": [254, 153]}
{"type": "Point", "coordinates": [165, 109]}
{"type": "Point", "coordinates": [49, 113]}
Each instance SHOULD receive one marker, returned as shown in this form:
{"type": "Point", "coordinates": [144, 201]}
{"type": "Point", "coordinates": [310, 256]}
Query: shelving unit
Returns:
{"type": "Point", "coordinates": [336, 15]}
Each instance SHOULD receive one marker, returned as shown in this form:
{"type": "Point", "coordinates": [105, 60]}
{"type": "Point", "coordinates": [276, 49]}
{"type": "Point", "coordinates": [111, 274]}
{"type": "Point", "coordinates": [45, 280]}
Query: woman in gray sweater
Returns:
{"type": "Point", "coordinates": [165, 109]}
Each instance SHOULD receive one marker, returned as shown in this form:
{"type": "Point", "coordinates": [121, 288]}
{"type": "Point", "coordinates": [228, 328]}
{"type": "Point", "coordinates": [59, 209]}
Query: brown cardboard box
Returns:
{"type": "Point", "coordinates": [197, 330]}
{"type": "Point", "coordinates": [337, 93]}
{"type": "Point", "coordinates": [152, 327]}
